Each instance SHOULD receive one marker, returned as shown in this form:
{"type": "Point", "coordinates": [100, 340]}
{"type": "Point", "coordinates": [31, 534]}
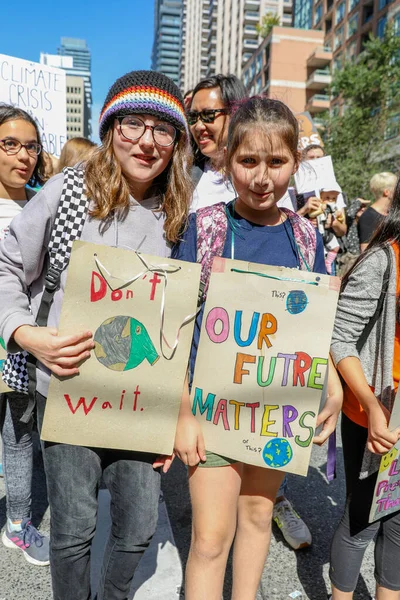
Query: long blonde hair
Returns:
{"type": "Point", "coordinates": [108, 188]}
{"type": "Point", "coordinates": [74, 151]}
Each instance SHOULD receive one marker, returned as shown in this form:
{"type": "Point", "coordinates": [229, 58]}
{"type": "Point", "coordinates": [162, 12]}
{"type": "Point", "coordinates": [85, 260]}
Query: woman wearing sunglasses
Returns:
{"type": "Point", "coordinates": [208, 119]}
{"type": "Point", "coordinates": [139, 194]}
{"type": "Point", "coordinates": [21, 162]}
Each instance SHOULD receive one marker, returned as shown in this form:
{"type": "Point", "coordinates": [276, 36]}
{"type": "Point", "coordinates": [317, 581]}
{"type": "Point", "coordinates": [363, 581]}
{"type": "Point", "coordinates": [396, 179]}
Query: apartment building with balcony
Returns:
{"type": "Point", "coordinates": [167, 44]}
{"type": "Point", "coordinates": [346, 24]}
{"type": "Point", "coordinates": [290, 65]}
{"type": "Point", "coordinates": [318, 79]}
{"type": "Point", "coordinates": [220, 36]}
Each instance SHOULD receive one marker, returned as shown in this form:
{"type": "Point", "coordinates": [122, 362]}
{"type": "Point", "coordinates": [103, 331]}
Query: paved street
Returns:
{"type": "Point", "coordinates": [160, 574]}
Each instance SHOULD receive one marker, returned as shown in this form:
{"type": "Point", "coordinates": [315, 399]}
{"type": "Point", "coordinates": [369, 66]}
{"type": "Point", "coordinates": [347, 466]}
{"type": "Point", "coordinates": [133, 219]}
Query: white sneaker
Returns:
{"type": "Point", "coordinates": [293, 528]}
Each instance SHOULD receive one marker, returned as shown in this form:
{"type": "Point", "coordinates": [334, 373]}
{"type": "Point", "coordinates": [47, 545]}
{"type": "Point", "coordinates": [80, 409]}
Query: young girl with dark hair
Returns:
{"type": "Point", "coordinates": [232, 500]}
{"type": "Point", "coordinates": [139, 193]}
{"type": "Point", "coordinates": [366, 350]}
{"type": "Point", "coordinates": [21, 163]}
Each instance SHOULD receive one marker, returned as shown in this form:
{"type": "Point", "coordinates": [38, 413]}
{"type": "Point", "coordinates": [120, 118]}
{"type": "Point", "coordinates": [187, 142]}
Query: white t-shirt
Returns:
{"type": "Point", "coordinates": [212, 188]}
{"type": "Point", "coordinates": [9, 209]}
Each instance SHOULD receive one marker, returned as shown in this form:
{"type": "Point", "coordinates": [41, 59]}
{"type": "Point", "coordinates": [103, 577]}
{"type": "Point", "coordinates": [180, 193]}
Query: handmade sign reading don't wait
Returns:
{"type": "Point", "coordinates": [140, 309]}
{"type": "Point", "coordinates": [262, 361]}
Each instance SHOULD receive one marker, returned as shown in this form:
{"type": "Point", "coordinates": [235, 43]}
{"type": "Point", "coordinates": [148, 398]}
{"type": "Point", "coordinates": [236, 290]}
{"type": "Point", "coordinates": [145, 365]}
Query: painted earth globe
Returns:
{"type": "Point", "coordinates": [123, 343]}
{"type": "Point", "coordinates": [296, 302]}
{"type": "Point", "coordinates": [277, 453]}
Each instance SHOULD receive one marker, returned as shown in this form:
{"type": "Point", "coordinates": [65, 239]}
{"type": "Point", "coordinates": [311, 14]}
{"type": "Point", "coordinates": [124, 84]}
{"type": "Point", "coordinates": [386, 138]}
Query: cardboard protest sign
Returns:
{"type": "Point", "coordinates": [308, 132]}
{"type": "Point", "coordinates": [261, 362]}
{"type": "Point", "coordinates": [386, 498]}
{"type": "Point", "coordinates": [41, 91]}
{"type": "Point", "coordinates": [128, 392]}
{"type": "Point", "coordinates": [3, 356]}
{"type": "Point", "coordinates": [313, 175]}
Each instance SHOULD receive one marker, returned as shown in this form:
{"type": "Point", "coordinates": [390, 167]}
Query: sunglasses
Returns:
{"type": "Point", "coordinates": [205, 116]}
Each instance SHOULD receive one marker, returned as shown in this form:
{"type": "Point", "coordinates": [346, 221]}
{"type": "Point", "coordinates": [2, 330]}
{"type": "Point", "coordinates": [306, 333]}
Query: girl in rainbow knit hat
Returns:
{"type": "Point", "coordinates": [139, 192]}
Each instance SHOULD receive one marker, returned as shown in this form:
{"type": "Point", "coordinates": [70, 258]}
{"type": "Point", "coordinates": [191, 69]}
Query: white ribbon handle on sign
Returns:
{"type": "Point", "coordinates": [163, 270]}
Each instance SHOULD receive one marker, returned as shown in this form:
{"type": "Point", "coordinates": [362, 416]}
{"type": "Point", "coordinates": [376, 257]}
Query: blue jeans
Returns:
{"type": "Point", "coordinates": [17, 454]}
{"type": "Point", "coordinates": [73, 478]}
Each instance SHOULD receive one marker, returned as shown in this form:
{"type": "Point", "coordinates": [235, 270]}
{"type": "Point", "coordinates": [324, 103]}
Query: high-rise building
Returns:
{"type": "Point", "coordinates": [78, 50]}
{"type": "Point", "coordinates": [74, 57]}
{"type": "Point", "coordinates": [167, 45]}
{"type": "Point", "coordinates": [76, 105]}
{"type": "Point", "coordinates": [303, 14]}
{"type": "Point", "coordinates": [220, 36]}
{"type": "Point", "coordinates": [81, 66]}
{"type": "Point", "coordinates": [195, 34]}
{"type": "Point", "coordinates": [78, 94]}
{"type": "Point", "coordinates": [346, 25]}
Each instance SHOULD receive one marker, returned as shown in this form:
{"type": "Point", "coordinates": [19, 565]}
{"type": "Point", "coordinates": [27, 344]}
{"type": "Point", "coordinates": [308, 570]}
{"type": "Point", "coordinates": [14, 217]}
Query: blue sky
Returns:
{"type": "Point", "coordinates": [119, 35]}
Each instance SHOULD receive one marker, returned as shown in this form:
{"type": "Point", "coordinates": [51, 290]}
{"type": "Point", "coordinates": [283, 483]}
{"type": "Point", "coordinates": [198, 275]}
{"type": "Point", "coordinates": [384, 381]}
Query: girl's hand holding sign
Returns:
{"type": "Point", "coordinates": [60, 354]}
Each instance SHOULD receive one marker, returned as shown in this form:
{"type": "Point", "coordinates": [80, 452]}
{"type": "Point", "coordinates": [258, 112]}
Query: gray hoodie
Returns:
{"type": "Point", "coordinates": [23, 252]}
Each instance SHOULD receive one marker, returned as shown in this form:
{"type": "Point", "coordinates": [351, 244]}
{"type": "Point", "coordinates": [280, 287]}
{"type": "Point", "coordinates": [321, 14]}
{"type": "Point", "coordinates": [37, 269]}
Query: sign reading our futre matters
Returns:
{"type": "Point", "coordinates": [40, 91]}
{"type": "Point", "coordinates": [262, 362]}
{"type": "Point", "coordinates": [128, 393]}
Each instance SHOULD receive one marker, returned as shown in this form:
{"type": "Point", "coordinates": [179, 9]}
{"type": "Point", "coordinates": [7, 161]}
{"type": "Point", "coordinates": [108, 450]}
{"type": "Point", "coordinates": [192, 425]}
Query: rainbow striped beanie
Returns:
{"type": "Point", "coordinates": [146, 92]}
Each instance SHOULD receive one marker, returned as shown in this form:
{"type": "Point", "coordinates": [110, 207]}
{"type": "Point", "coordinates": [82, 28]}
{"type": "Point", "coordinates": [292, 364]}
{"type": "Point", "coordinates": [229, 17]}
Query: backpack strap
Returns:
{"type": "Point", "coordinates": [68, 225]}
{"type": "Point", "coordinates": [212, 224]}
{"type": "Point", "coordinates": [305, 237]}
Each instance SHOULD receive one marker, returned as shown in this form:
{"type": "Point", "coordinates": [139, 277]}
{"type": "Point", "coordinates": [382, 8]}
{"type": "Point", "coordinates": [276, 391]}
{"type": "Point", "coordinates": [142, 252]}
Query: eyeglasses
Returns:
{"type": "Point", "coordinates": [205, 116]}
{"type": "Point", "coordinates": [132, 128]}
{"type": "Point", "coordinates": [12, 146]}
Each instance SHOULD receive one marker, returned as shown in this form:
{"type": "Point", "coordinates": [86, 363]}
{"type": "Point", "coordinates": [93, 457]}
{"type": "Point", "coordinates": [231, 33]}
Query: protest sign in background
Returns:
{"type": "Point", "coordinates": [127, 394]}
{"type": "Point", "coordinates": [41, 91]}
{"type": "Point", "coordinates": [308, 132]}
{"type": "Point", "coordinates": [386, 498]}
{"type": "Point", "coordinates": [312, 175]}
{"type": "Point", "coordinates": [262, 361]}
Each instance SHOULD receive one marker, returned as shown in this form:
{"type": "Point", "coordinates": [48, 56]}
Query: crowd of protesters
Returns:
{"type": "Point", "coordinates": [174, 159]}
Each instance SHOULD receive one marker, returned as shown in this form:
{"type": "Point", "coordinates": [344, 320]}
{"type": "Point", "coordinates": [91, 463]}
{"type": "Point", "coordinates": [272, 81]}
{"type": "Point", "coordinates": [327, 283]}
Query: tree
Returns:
{"type": "Point", "coordinates": [367, 93]}
{"type": "Point", "coordinates": [268, 21]}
